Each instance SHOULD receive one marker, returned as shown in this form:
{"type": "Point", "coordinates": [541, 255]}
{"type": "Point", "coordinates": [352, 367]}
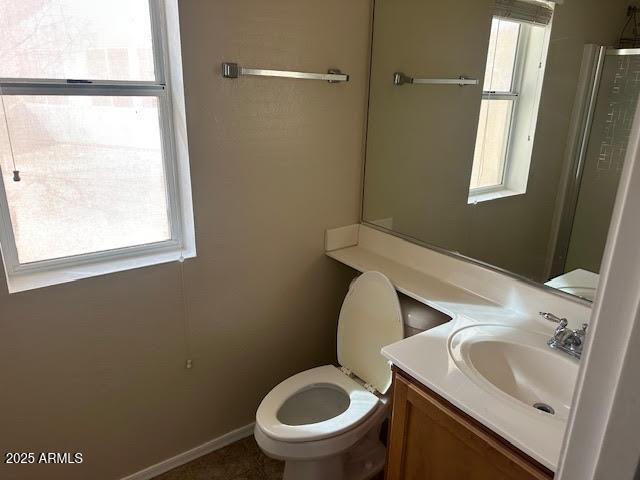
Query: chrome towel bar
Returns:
{"type": "Point", "coordinates": [233, 70]}
{"type": "Point", "coordinates": [400, 78]}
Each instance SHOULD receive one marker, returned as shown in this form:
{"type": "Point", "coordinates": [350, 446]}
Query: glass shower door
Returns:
{"type": "Point", "coordinates": [613, 114]}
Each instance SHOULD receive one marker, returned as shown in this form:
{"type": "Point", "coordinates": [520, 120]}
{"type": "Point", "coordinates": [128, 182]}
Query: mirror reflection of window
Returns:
{"type": "Point", "coordinates": [499, 95]}
{"type": "Point", "coordinates": [455, 169]}
{"type": "Point", "coordinates": [511, 95]}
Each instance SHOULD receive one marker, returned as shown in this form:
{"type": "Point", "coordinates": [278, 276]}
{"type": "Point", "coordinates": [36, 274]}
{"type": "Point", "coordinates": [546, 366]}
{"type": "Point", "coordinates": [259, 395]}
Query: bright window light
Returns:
{"type": "Point", "coordinates": [511, 93]}
{"type": "Point", "coordinates": [89, 167]}
{"type": "Point", "coordinates": [92, 175]}
{"type": "Point", "coordinates": [103, 40]}
{"type": "Point", "coordinates": [499, 96]}
{"type": "Point", "coordinates": [491, 143]}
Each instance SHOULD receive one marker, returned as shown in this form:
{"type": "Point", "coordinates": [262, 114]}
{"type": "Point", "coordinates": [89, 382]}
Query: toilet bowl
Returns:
{"type": "Point", "coordinates": [325, 422]}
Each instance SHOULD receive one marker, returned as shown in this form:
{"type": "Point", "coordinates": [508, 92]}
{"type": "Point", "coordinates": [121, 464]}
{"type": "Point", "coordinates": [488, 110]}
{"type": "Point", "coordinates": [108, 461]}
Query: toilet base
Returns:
{"type": "Point", "coordinates": [357, 454]}
{"type": "Point", "coordinates": [361, 462]}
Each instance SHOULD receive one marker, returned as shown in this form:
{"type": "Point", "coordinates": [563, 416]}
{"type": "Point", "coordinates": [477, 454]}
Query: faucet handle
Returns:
{"type": "Point", "coordinates": [562, 326]}
{"type": "Point", "coordinates": [553, 318]}
{"type": "Point", "coordinates": [583, 329]}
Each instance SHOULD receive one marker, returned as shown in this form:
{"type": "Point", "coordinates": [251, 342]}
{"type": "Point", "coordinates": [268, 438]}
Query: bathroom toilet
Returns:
{"type": "Point", "coordinates": [325, 422]}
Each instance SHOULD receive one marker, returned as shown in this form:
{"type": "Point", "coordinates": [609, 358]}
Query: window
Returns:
{"type": "Point", "coordinates": [508, 111]}
{"type": "Point", "coordinates": [92, 181]}
{"type": "Point", "coordinates": [500, 93]}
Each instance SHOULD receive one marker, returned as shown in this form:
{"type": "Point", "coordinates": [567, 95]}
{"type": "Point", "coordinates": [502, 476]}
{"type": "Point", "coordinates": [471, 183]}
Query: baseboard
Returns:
{"type": "Point", "coordinates": [196, 452]}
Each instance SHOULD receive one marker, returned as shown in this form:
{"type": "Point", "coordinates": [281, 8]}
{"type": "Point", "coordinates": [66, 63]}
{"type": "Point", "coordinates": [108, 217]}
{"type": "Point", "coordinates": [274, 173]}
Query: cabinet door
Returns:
{"type": "Point", "coordinates": [430, 440]}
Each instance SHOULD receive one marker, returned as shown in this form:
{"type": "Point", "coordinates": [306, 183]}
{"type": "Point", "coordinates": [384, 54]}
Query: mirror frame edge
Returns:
{"type": "Point", "coordinates": [480, 263]}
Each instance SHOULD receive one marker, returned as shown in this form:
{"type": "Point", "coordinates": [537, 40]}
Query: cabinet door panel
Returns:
{"type": "Point", "coordinates": [429, 440]}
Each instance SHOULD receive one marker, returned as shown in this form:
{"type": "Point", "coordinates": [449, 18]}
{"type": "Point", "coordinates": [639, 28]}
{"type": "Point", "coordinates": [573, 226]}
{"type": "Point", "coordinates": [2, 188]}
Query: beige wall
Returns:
{"type": "Point", "coordinates": [421, 139]}
{"type": "Point", "coordinates": [97, 366]}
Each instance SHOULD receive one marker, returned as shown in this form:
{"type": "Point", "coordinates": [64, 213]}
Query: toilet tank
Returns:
{"type": "Point", "coordinates": [418, 317]}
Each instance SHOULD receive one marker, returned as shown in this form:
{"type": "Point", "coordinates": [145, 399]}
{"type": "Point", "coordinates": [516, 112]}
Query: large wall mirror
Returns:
{"type": "Point", "coordinates": [497, 130]}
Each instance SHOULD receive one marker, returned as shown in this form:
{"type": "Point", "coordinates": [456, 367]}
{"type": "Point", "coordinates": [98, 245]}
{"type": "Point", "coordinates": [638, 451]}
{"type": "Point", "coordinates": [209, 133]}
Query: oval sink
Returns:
{"type": "Point", "coordinates": [518, 363]}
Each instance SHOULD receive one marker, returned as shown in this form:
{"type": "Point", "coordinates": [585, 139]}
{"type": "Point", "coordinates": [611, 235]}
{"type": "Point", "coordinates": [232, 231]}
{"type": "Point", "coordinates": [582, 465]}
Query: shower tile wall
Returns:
{"type": "Point", "coordinates": [607, 146]}
{"type": "Point", "coordinates": [623, 98]}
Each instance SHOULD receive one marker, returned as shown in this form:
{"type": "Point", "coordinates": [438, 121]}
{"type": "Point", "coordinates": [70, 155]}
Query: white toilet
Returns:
{"type": "Point", "coordinates": [325, 422]}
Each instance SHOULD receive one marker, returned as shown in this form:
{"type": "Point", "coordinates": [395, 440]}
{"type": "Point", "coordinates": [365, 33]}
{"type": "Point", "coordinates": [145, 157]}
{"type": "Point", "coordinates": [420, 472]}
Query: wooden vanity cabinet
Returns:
{"type": "Point", "coordinates": [430, 439]}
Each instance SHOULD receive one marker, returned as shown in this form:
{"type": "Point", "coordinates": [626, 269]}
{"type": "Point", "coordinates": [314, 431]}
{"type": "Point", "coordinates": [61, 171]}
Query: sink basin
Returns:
{"type": "Point", "coordinates": [518, 364]}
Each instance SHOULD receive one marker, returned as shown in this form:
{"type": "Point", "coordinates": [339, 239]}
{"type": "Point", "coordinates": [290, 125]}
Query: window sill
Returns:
{"type": "Point", "coordinates": [33, 279]}
{"type": "Point", "coordinates": [475, 198]}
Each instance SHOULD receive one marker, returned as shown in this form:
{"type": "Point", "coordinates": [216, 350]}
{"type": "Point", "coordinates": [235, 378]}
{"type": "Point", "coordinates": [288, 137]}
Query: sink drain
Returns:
{"type": "Point", "coordinates": [543, 407]}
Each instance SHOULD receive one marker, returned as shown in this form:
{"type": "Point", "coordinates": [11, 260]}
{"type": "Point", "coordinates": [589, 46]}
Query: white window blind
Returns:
{"type": "Point", "coordinates": [535, 13]}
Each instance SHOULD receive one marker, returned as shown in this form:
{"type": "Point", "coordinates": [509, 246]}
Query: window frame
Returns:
{"type": "Point", "coordinates": [514, 96]}
{"type": "Point", "coordinates": [181, 244]}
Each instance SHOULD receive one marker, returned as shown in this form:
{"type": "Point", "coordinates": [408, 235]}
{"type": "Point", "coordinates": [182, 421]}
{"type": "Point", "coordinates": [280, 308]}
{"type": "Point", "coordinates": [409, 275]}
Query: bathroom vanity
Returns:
{"type": "Point", "coordinates": [431, 438]}
{"type": "Point", "coordinates": [483, 390]}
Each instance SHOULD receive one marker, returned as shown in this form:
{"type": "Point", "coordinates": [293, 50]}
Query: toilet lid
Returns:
{"type": "Point", "coordinates": [370, 319]}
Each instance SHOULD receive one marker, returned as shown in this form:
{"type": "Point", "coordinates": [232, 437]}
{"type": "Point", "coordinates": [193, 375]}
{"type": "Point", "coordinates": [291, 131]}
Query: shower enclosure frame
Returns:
{"type": "Point", "coordinates": [589, 83]}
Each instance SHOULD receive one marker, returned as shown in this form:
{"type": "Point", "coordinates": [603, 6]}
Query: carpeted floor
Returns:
{"type": "Point", "coordinates": [242, 460]}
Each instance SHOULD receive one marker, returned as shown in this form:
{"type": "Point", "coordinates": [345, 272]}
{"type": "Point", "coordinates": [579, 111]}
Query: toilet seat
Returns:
{"type": "Point", "coordinates": [362, 404]}
{"type": "Point", "coordinates": [322, 412]}
{"type": "Point", "coordinates": [370, 318]}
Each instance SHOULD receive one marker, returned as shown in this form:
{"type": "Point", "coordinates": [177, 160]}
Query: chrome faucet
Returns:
{"type": "Point", "coordinates": [565, 339]}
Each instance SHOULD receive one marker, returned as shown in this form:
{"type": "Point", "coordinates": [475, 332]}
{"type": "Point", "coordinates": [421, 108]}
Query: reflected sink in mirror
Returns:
{"type": "Point", "coordinates": [519, 364]}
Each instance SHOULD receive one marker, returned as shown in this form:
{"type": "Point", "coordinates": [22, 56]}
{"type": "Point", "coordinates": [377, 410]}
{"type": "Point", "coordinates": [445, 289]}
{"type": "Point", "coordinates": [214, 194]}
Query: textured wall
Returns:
{"type": "Point", "coordinates": [97, 366]}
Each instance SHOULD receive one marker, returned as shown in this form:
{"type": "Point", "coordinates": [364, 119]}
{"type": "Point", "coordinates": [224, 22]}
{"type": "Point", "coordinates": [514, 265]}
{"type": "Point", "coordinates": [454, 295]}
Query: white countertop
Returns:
{"type": "Point", "coordinates": [426, 356]}
{"type": "Point", "coordinates": [579, 282]}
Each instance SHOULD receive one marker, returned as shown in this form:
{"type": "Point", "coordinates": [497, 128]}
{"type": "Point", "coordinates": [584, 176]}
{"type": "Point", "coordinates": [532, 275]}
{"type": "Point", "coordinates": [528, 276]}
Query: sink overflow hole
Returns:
{"type": "Point", "coordinates": [543, 407]}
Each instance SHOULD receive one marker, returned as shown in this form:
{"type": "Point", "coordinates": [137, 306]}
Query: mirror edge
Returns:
{"type": "Point", "coordinates": [460, 256]}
